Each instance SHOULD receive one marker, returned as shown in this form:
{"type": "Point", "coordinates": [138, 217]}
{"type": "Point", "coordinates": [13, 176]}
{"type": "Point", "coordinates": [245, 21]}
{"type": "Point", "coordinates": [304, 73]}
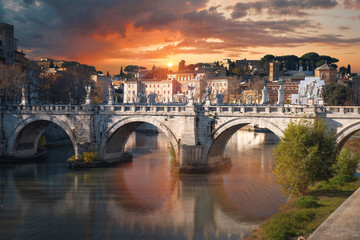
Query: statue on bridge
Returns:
{"type": "Point", "coordinates": [110, 99]}
{"type": "Point", "coordinates": [191, 92]}
{"type": "Point", "coordinates": [88, 100]}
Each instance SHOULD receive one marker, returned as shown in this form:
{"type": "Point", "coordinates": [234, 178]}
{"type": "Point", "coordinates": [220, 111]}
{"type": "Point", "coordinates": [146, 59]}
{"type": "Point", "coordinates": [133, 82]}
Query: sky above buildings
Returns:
{"type": "Point", "coordinates": [113, 33]}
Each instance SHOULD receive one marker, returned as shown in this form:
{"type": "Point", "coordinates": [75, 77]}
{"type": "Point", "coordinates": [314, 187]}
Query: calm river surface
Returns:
{"type": "Point", "coordinates": [140, 200]}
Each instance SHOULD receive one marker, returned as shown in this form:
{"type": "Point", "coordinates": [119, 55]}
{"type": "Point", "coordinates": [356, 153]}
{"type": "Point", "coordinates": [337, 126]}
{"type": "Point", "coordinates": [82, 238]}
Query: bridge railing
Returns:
{"type": "Point", "coordinates": [224, 109]}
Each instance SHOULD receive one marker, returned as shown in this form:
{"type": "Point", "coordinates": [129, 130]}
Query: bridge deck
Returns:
{"type": "Point", "coordinates": [342, 224]}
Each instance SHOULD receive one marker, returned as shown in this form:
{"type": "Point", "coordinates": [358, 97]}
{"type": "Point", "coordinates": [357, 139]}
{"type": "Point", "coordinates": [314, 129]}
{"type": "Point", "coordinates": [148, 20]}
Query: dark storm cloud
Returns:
{"type": "Point", "coordinates": [71, 28]}
{"type": "Point", "coordinates": [343, 28]}
{"type": "Point", "coordinates": [280, 7]}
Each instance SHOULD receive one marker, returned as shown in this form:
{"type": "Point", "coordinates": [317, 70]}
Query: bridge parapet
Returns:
{"type": "Point", "coordinates": [182, 108]}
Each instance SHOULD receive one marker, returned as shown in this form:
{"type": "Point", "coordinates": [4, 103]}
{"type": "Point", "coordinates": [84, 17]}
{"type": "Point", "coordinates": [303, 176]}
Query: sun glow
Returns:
{"type": "Point", "coordinates": [170, 64]}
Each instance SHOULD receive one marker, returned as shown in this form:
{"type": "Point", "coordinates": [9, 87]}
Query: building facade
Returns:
{"type": "Point", "coordinates": [8, 46]}
{"type": "Point", "coordinates": [326, 73]}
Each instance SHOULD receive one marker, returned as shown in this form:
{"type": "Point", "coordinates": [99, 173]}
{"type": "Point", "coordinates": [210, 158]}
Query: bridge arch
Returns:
{"type": "Point", "coordinates": [216, 143]}
{"type": "Point", "coordinates": [24, 140]}
{"type": "Point", "coordinates": [343, 135]}
{"type": "Point", "coordinates": [113, 144]}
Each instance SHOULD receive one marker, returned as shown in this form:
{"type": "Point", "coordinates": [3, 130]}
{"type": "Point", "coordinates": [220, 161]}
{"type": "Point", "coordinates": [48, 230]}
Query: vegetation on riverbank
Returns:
{"type": "Point", "coordinates": [314, 175]}
{"type": "Point", "coordinates": [302, 215]}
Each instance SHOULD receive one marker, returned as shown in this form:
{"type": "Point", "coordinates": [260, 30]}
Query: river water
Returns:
{"type": "Point", "coordinates": [141, 199]}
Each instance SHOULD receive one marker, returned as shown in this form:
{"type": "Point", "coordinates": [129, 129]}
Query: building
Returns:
{"type": "Point", "coordinates": [218, 85]}
{"type": "Point", "coordinates": [102, 78]}
{"type": "Point", "coordinates": [164, 89]}
{"type": "Point", "coordinates": [326, 73]}
{"type": "Point", "coordinates": [274, 71]}
{"type": "Point", "coordinates": [51, 66]}
{"type": "Point", "coordinates": [8, 46]}
{"type": "Point", "coordinates": [290, 88]}
{"type": "Point", "coordinates": [243, 63]}
{"type": "Point", "coordinates": [131, 90]}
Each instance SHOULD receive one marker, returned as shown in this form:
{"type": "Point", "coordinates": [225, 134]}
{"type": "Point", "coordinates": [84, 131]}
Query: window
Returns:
{"type": "Point", "coordinates": [0, 42]}
{"type": "Point", "coordinates": [224, 84]}
{"type": "Point", "coordinates": [323, 76]}
{"type": "Point", "coordinates": [168, 91]}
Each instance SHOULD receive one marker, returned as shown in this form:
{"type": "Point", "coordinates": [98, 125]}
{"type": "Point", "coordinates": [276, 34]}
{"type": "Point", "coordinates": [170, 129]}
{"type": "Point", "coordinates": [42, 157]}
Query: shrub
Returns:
{"type": "Point", "coordinates": [335, 183]}
{"type": "Point", "coordinates": [286, 225]}
{"type": "Point", "coordinates": [90, 157]}
{"type": "Point", "coordinates": [306, 202]}
{"type": "Point", "coordinates": [346, 163]}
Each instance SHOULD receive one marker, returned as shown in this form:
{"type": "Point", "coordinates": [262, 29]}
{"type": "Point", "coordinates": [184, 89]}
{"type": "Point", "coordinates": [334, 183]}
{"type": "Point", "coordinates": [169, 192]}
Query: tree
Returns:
{"type": "Point", "coordinates": [131, 68]}
{"type": "Point", "coordinates": [348, 70]}
{"type": "Point", "coordinates": [304, 155]}
{"type": "Point", "coordinates": [181, 66]}
{"type": "Point", "coordinates": [12, 79]}
{"type": "Point", "coordinates": [264, 62]}
{"type": "Point", "coordinates": [346, 163]}
{"type": "Point", "coordinates": [335, 94]}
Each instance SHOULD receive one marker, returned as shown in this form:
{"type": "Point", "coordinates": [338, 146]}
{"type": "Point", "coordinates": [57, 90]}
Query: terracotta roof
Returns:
{"type": "Point", "coordinates": [325, 66]}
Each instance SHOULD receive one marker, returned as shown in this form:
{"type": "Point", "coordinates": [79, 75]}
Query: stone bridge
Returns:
{"type": "Point", "coordinates": [198, 133]}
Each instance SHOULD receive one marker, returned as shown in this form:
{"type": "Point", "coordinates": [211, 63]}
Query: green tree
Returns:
{"type": "Point", "coordinates": [304, 155]}
{"type": "Point", "coordinates": [346, 163]}
{"type": "Point", "coordinates": [264, 62]}
{"type": "Point", "coordinates": [131, 68]}
{"type": "Point", "coordinates": [335, 94]}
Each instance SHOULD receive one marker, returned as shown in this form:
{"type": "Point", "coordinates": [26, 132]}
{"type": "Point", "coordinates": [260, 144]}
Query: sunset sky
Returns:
{"type": "Point", "coordinates": [113, 33]}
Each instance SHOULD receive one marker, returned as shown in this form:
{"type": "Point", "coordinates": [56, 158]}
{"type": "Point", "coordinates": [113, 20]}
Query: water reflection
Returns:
{"type": "Point", "coordinates": [141, 199]}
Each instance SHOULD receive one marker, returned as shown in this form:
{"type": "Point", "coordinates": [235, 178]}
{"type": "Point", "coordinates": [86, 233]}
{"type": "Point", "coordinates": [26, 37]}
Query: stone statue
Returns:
{"type": "Point", "coordinates": [111, 92]}
{"type": "Point", "coordinates": [208, 91]}
{"type": "Point", "coordinates": [88, 91]}
{"type": "Point", "coordinates": [321, 91]}
{"type": "Point", "coordinates": [309, 89]}
{"type": "Point", "coordinates": [88, 99]}
{"type": "Point", "coordinates": [23, 93]}
{"type": "Point", "coordinates": [191, 92]}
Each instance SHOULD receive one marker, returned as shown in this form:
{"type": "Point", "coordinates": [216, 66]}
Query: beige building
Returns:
{"type": "Point", "coordinates": [274, 71]}
{"type": "Point", "coordinates": [326, 73]}
{"type": "Point", "coordinates": [164, 89]}
{"type": "Point", "coordinates": [219, 85]}
{"type": "Point", "coordinates": [131, 90]}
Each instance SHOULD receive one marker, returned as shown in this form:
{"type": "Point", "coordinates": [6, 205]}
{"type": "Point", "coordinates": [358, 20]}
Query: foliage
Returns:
{"type": "Point", "coordinates": [304, 155]}
{"type": "Point", "coordinates": [335, 94]}
{"type": "Point", "coordinates": [12, 79]}
{"type": "Point", "coordinates": [346, 163]}
{"type": "Point", "coordinates": [287, 225]}
{"type": "Point", "coordinates": [90, 157]}
{"type": "Point", "coordinates": [70, 85]}
{"type": "Point", "coordinates": [98, 94]}
{"type": "Point", "coordinates": [306, 202]}
{"type": "Point", "coordinates": [335, 184]}
{"type": "Point", "coordinates": [293, 220]}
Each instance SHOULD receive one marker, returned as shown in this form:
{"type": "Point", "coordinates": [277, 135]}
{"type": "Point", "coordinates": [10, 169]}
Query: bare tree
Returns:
{"type": "Point", "coordinates": [12, 79]}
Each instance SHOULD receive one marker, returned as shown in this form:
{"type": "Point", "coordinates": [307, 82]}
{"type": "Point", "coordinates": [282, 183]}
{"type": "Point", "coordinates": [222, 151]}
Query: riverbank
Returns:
{"type": "Point", "coordinates": [303, 215]}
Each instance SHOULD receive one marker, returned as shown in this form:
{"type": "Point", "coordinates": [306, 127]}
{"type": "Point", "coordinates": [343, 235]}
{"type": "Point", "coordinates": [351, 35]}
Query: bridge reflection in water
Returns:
{"type": "Point", "coordinates": [141, 199]}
